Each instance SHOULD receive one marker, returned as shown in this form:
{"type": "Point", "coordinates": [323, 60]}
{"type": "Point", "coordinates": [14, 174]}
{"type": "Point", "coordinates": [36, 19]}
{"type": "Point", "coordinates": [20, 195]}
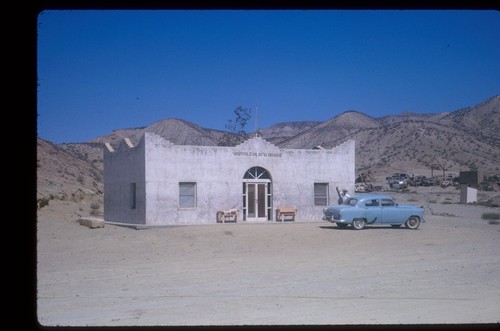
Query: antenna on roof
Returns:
{"type": "Point", "coordinates": [256, 120]}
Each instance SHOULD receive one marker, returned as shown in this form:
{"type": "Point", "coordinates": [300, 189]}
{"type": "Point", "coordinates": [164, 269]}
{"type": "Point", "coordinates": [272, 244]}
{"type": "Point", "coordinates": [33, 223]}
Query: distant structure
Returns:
{"type": "Point", "coordinates": [159, 183]}
{"type": "Point", "coordinates": [469, 181]}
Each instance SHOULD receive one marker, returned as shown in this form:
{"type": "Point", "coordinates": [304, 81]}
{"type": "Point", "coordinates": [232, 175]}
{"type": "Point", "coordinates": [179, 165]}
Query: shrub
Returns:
{"type": "Point", "coordinates": [42, 202]}
{"type": "Point", "coordinates": [94, 208]}
{"type": "Point", "coordinates": [489, 203]}
{"type": "Point", "coordinates": [493, 218]}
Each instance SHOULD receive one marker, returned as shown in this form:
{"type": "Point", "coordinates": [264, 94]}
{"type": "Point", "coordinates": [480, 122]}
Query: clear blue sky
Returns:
{"type": "Point", "coordinates": [101, 70]}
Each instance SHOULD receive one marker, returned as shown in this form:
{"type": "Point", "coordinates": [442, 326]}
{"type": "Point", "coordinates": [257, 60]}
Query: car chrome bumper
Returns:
{"type": "Point", "coordinates": [333, 220]}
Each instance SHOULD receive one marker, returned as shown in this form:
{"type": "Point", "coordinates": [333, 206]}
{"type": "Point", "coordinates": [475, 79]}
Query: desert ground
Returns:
{"type": "Point", "coordinates": [292, 273]}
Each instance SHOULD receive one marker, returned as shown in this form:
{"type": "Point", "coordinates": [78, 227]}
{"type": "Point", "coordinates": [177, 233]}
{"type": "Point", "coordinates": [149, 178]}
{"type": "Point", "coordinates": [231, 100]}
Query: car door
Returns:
{"type": "Point", "coordinates": [372, 211]}
{"type": "Point", "coordinates": [390, 211]}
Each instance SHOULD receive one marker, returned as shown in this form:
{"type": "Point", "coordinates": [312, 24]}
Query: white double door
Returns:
{"type": "Point", "coordinates": [256, 201]}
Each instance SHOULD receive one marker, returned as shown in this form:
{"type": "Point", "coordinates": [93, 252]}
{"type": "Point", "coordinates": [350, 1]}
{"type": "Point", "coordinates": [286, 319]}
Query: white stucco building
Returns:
{"type": "Point", "coordinates": [159, 183]}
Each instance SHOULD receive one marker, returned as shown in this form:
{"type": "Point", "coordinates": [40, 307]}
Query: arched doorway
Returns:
{"type": "Point", "coordinates": [257, 195]}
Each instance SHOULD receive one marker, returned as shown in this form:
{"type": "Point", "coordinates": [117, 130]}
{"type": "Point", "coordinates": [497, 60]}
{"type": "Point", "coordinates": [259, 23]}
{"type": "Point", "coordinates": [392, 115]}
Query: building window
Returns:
{"type": "Point", "coordinates": [187, 195]}
{"type": "Point", "coordinates": [320, 194]}
{"type": "Point", "coordinates": [133, 190]}
{"type": "Point", "coordinates": [257, 173]}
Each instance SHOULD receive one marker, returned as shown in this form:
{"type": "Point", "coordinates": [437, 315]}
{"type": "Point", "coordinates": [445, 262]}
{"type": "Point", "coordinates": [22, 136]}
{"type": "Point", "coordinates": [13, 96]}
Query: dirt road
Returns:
{"type": "Point", "coordinates": [447, 271]}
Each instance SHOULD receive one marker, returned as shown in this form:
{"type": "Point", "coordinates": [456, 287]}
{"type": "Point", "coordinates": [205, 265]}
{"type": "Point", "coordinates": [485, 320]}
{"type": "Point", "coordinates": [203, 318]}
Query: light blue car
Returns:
{"type": "Point", "coordinates": [373, 209]}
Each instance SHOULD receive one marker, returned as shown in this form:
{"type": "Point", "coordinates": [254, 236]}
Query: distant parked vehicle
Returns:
{"type": "Point", "coordinates": [428, 182]}
{"type": "Point", "coordinates": [401, 175]}
{"type": "Point", "coordinates": [422, 181]}
{"type": "Point", "coordinates": [363, 188]}
{"type": "Point", "coordinates": [416, 181]}
{"type": "Point", "coordinates": [373, 209]}
{"type": "Point", "coordinates": [397, 175]}
{"type": "Point", "coordinates": [398, 183]}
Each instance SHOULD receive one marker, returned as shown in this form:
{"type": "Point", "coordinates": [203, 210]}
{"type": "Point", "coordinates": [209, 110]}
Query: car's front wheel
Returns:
{"type": "Point", "coordinates": [413, 223]}
{"type": "Point", "coordinates": [358, 223]}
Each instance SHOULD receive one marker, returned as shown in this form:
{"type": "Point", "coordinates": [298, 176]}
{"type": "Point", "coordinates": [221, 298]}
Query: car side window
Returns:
{"type": "Point", "coordinates": [371, 203]}
{"type": "Point", "coordinates": [387, 203]}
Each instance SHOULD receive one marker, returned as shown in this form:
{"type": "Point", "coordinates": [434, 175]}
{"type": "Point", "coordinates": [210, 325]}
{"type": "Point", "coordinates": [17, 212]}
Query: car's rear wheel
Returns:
{"type": "Point", "coordinates": [342, 225]}
{"type": "Point", "coordinates": [413, 223]}
{"type": "Point", "coordinates": [358, 223]}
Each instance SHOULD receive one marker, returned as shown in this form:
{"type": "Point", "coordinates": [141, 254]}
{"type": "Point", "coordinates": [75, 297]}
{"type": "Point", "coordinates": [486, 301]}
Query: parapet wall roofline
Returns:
{"type": "Point", "coordinates": [257, 141]}
{"type": "Point", "coordinates": [254, 142]}
{"type": "Point", "coordinates": [128, 142]}
{"type": "Point", "coordinates": [345, 143]}
{"type": "Point", "coordinates": [125, 141]}
{"type": "Point", "coordinates": [109, 147]}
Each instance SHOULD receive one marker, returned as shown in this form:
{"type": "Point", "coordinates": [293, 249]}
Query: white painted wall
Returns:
{"type": "Point", "coordinates": [218, 173]}
{"type": "Point", "coordinates": [121, 168]}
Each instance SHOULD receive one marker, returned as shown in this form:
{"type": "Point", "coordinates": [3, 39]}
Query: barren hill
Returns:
{"type": "Point", "coordinates": [405, 141]}
{"type": "Point", "coordinates": [406, 116]}
{"type": "Point", "coordinates": [481, 121]}
{"type": "Point", "coordinates": [465, 139]}
{"type": "Point", "coordinates": [178, 131]}
{"type": "Point", "coordinates": [351, 119]}
{"type": "Point", "coordinates": [71, 174]}
{"type": "Point", "coordinates": [327, 133]}
{"type": "Point", "coordinates": [418, 145]}
{"type": "Point", "coordinates": [280, 132]}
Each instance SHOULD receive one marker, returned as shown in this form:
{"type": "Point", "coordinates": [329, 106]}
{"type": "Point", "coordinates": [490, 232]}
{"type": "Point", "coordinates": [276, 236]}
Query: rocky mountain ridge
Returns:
{"type": "Point", "coordinates": [465, 139]}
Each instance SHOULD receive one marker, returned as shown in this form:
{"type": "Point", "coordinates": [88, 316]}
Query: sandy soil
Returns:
{"type": "Point", "coordinates": [288, 273]}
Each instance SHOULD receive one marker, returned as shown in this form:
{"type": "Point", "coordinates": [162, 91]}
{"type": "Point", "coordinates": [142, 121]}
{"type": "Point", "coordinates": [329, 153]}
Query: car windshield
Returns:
{"type": "Point", "coordinates": [351, 202]}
